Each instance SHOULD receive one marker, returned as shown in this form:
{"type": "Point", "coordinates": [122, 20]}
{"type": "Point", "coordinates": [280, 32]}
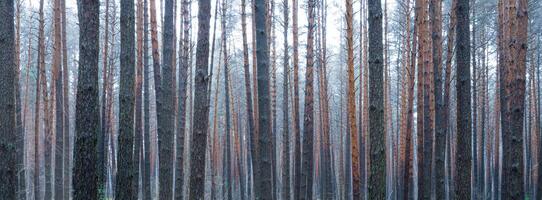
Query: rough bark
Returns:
{"type": "Point", "coordinates": [8, 136]}
{"type": "Point", "coordinates": [181, 118]}
{"type": "Point", "coordinates": [352, 128]}
{"type": "Point", "coordinates": [263, 178]}
{"type": "Point", "coordinates": [166, 102]}
{"type": "Point", "coordinates": [463, 88]}
{"type": "Point", "coordinates": [126, 168]}
{"type": "Point", "coordinates": [227, 178]}
{"type": "Point", "coordinates": [201, 107]}
{"type": "Point", "coordinates": [377, 188]}
{"type": "Point", "coordinates": [87, 104]}
{"type": "Point", "coordinates": [512, 72]}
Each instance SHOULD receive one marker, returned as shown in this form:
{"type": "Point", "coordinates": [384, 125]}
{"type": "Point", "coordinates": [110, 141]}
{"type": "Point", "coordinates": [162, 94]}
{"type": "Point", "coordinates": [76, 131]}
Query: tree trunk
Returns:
{"type": "Point", "coordinates": [464, 132]}
{"type": "Point", "coordinates": [66, 110]}
{"type": "Point", "coordinates": [512, 72]}
{"type": "Point", "coordinates": [146, 168]}
{"type": "Point", "coordinates": [295, 107]}
{"type": "Point", "coordinates": [376, 106]}
{"type": "Point", "coordinates": [352, 128]}
{"type": "Point", "coordinates": [87, 104]}
{"type": "Point", "coordinates": [9, 136]}
{"type": "Point", "coordinates": [57, 78]}
{"type": "Point", "coordinates": [125, 176]}
{"type": "Point", "coordinates": [201, 106]}
{"type": "Point", "coordinates": [166, 104]}
{"type": "Point", "coordinates": [285, 113]}
{"type": "Point", "coordinates": [184, 66]}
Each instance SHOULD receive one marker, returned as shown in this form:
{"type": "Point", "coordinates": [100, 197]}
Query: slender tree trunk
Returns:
{"type": "Point", "coordinates": [146, 170]}
{"type": "Point", "coordinates": [227, 146]}
{"type": "Point", "coordinates": [440, 125]}
{"type": "Point", "coordinates": [295, 107]}
{"type": "Point", "coordinates": [201, 106]}
{"type": "Point", "coordinates": [137, 157]}
{"type": "Point", "coordinates": [286, 173]}
{"type": "Point", "coordinates": [166, 102]}
{"type": "Point", "coordinates": [376, 106]}
{"type": "Point", "coordinates": [57, 78]}
{"type": "Point", "coordinates": [66, 110]}
{"type": "Point", "coordinates": [463, 188]}
{"type": "Point", "coordinates": [126, 173]}
{"type": "Point", "coordinates": [352, 128]}
{"type": "Point", "coordinates": [184, 66]}
{"type": "Point", "coordinates": [41, 49]}
{"type": "Point", "coordinates": [8, 136]}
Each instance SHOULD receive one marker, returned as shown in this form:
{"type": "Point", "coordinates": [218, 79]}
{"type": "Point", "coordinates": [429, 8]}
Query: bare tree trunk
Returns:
{"type": "Point", "coordinates": [295, 107]}
{"type": "Point", "coordinates": [376, 105]}
{"type": "Point", "coordinates": [286, 173]}
{"type": "Point", "coordinates": [41, 49]}
{"type": "Point", "coordinates": [87, 104]}
{"type": "Point", "coordinates": [201, 106]}
{"type": "Point", "coordinates": [9, 136]}
{"type": "Point", "coordinates": [464, 155]}
{"type": "Point", "coordinates": [352, 128]}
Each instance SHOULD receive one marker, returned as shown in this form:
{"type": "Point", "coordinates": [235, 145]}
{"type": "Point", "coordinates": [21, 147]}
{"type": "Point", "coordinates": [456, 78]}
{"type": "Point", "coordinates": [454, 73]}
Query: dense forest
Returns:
{"type": "Point", "coordinates": [270, 99]}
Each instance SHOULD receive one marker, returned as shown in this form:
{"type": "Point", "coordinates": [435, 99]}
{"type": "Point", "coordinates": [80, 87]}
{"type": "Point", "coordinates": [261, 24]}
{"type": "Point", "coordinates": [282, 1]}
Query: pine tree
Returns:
{"type": "Point", "coordinates": [377, 188]}
{"type": "Point", "coordinates": [464, 133]}
{"type": "Point", "coordinates": [8, 133]}
{"type": "Point", "coordinates": [87, 104]}
{"type": "Point", "coordinates": [201, 106]}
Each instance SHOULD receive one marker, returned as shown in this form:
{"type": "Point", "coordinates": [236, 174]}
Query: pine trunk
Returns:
{"type": "Point", "coordinates": [87, 103]}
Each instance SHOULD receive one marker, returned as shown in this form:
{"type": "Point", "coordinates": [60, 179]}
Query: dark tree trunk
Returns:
{"type": "Point", "coordinates": [463, 88]}
{"type": "Point", "coordinates": [59, 125]}
{"type": "Point", "coordinates": [166, 102]}
{"type": "Point", "coordinates": [201, 104]}
{"type": "Point", "coordinates": [66, 154]}
{"type": "Point", "coordinates": [295, 106]}
{"type": "Point", "coordinates": [227, 178]}
{"type": "Point", "coordinates": [308, 124]}
{"type": "Point", "coordinates": [8, 133]}
{"type": "Point", "coordinates": [263, 179]}
{"type": "Point", "coordinates": [126, 168]}
{"type": "Point", "coordinates": [435, 10]}
{"type": "Point", "coordinates": [377, 162]}
{"type": "Point", "coordinates": [146, 169]}
{"type": "Point", "coordinates": [184, 66]}
{"type": "Point", "coordinates": [285, 113]}
{"type": "Point", "coordinates": [87, 103]}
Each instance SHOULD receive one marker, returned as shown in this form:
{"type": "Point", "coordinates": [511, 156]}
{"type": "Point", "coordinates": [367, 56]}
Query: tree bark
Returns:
{"type": "Point", "coordinates": [464, 132]}
{"type": "Point", "coordinates": [377, 189]}
{"type": "Point", "coordinates": [8, 136]}
{"type": "Point", "coordinates": [87, 104]}
{"type": "Point", "coordinates": [201, 114]}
